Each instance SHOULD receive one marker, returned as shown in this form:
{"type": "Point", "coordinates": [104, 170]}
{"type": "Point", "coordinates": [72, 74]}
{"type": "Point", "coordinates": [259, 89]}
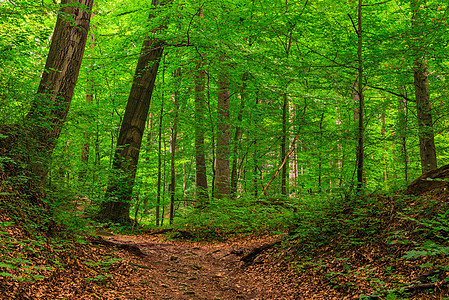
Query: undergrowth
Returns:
{"type": "Point", "coordinates": [385, 240]}
{"type": "Point", "coordinates": [223, 218]}
{"type": "Point", "coordinates": [44, 243]}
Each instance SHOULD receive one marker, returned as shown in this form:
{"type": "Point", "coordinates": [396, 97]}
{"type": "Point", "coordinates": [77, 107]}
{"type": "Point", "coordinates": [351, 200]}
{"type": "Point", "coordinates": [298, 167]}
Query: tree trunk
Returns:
{"type": "Point", "coordinates": [425, 124]}
{"type": "Point", "coordinates": [360, 134]}
{"type": "Point", "coordinates": [320, 155]}
{"type": "Point", "coordinates": [159, 220]}
{"type": "Point", "coordinates": [421, 80]}
{"type": "Point", "coordinates": [236, 146]}
{"type": "Point", "coordinates": [403, 120]}
{"type": "Point", "coordinates": [116, 204]}
{"type": "Point", "coordinates": [222, 186]}
{"type": "Point", "coordinates": [202, 195]}
{"type": "Point", "coordinates": [385, 149]}
{"type": "Point", "coordinates": [54, 95]}
{"type": "Point", "coordinates": [85, 149]}
{"type": "Point", "coordinates": [172, 186]}
{"type": "Point", "coordinates": [284, 145]}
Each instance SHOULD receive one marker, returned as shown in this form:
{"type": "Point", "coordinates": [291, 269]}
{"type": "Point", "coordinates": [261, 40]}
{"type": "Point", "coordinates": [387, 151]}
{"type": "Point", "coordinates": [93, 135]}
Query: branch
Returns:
{"type": "Point", "coordinates": [304, 7]}
{"type": "Point", "coordinates": [353, 25]}
{"type": "Point", "coordinates": [314, 51]}
{"type": "Point", "coordinates": [390, 92]}
{"type": "Point", "coordinates": [379, 3]}
{"type": "Point", "coordinates": [129, 12]}
{"type": "Point", "coordinates": [292, 147]}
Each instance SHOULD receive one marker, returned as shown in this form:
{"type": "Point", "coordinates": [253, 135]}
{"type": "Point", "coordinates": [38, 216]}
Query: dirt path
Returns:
{"type": "Point", "coordinates": [182, 270]}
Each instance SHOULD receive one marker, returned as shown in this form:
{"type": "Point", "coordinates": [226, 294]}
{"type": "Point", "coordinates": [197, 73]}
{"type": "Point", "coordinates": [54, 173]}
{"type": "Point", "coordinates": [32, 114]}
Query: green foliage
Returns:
{"type": "Point", "coordinates": [435, 234]}
{"type": "Point", "coordinates": [223, 218]}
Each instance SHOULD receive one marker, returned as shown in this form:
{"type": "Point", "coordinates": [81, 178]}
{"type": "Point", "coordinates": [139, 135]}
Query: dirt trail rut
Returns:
{"type": "Point", "coordinates": [182, 270]}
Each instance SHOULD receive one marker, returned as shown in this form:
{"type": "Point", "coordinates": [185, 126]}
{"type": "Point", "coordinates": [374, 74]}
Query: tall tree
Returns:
{"type": "Point", "coordinates": [116, 204]}
{"type": "Point", "coordinates": [222, 183]}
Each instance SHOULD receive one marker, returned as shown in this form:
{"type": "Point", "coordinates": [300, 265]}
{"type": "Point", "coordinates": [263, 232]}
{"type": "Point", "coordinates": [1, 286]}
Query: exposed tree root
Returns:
{"type": "Point", "coordinates": [131, 248]}
{"type": "Point", "coordinates": [160, 231]}
{"type": "Point", "coordinates": [429, 181]}
{"type": "Point", "coordinates": [248, 258]}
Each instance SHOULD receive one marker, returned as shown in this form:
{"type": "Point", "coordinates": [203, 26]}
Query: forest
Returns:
{"type": "Point", "coordinates": [239, 149]}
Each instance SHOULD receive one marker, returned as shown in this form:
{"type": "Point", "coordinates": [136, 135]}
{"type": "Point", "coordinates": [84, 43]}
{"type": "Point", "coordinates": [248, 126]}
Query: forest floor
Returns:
{"type": "Point", "coordinates": [154, 267]}
{"type": "Point", "coordinates": [384, 247]}
{"type": "Point", "coordinates": [164, 269]}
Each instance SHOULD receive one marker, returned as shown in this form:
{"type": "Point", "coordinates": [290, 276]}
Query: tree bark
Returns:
{"type": "Point", "coordinates": [222, 184]}
{"type": "Point", "coordinates": [116, 204]}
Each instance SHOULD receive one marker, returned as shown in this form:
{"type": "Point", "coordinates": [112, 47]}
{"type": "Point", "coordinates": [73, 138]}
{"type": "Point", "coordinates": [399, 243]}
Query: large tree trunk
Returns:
{"type": "Point", "coordinates": [222, 184]}
{"type": "Point", "coordinates": [426, 137]}
{"type": "Point", "coordinates": [202, 195]}
{"type": "Point", "coordinates": [421, 80]}
{"type": "Point", "coordinates": [54, 95]}
{"type": "Point", "coordinates": [116, 204]}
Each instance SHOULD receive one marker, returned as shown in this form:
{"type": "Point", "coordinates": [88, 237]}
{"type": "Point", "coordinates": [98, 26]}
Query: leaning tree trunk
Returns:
{"type": "Point", "coordinates": [49, 109]}
{"type": "Point", "coordinates": [116, 204]}
{"type": "Point", "coordinates": [222, 184]}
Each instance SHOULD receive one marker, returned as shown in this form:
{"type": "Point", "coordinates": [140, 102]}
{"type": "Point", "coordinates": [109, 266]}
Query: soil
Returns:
{"type": "Point", "coordinates": [184, 270]}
